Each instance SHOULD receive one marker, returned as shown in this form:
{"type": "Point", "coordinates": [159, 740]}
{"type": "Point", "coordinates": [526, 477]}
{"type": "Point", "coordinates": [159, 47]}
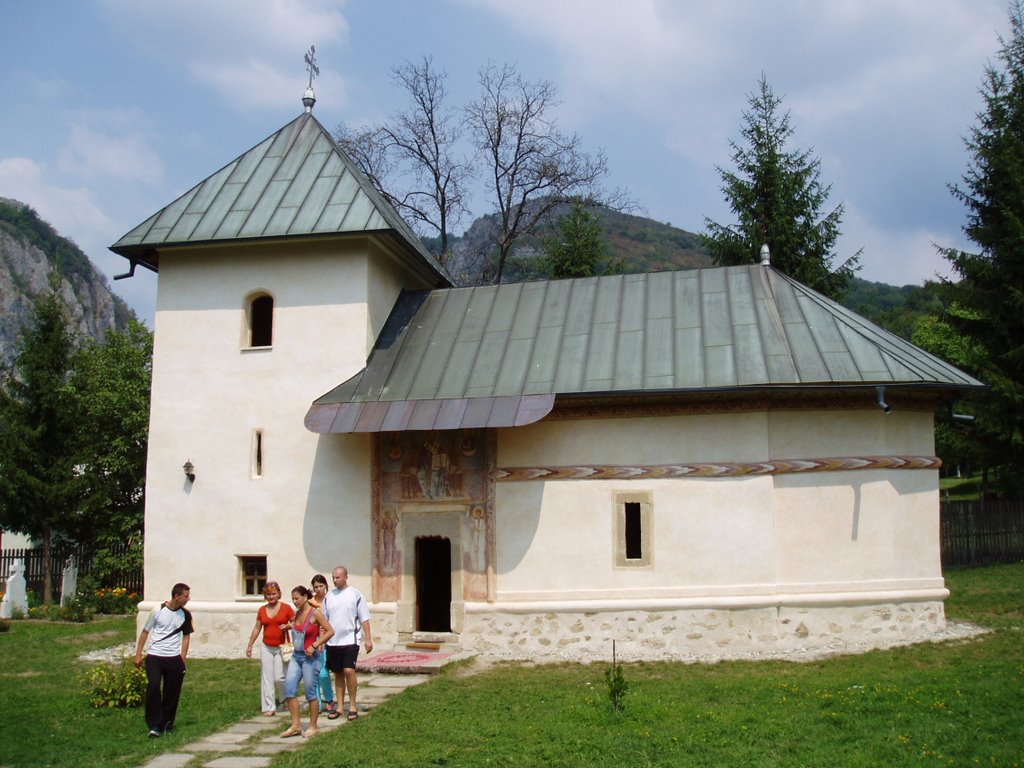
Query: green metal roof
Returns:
{"type": "Point", "coordinates": [296, 182]}
{"type": "Point", "coordinates": [498, 355]}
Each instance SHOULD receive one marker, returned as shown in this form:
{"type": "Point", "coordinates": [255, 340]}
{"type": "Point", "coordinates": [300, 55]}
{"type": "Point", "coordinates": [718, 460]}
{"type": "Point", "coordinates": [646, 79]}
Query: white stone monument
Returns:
{"type": "Point", "coordinates": [69, 581]}
{"type": "Point", "coordinates": [16, 598]}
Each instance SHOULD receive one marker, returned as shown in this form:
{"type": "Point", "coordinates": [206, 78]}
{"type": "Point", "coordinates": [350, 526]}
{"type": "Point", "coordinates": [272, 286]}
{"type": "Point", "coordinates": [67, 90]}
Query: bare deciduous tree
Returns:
{"type": "Point", "coordinates": [419, 144]}
{"type": "Point", "coordinates": [531, 167]}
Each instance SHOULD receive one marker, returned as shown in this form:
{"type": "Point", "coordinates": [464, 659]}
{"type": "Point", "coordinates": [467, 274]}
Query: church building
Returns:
{"type": "Point", "coordinates": [710, 461]}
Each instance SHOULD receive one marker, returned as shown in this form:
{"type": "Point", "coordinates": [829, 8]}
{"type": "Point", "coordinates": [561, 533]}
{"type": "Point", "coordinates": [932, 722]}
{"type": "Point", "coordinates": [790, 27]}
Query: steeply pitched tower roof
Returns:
{"type": "Point", "coordinates": [295, 183]}
{"type": "Point", "coordinates": [499, 355]}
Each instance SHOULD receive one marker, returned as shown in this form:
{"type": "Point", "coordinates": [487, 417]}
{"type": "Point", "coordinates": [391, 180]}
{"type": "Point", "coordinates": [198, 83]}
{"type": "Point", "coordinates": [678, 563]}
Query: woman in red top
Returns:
{"type": "Point", "coordinates": [274, 620]}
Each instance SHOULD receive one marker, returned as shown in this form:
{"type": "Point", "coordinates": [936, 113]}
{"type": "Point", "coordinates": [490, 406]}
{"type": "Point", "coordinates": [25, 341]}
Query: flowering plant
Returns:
{"type": "Point", "coordinates": [114, 600]}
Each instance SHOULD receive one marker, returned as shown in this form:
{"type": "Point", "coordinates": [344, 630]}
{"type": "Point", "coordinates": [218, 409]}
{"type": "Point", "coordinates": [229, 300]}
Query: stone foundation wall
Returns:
{"type": "Point", "coordinates": [640, 635]}
{"type": "Point", "coordinates": [699, 634]}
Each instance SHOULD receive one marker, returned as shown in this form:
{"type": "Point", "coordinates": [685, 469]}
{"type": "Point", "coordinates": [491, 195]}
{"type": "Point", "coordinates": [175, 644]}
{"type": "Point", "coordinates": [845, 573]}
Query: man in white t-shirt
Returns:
{"type": "Point", "coordinates": [346, 609]}
{"type": "Point", "coordinates": [170, 626]}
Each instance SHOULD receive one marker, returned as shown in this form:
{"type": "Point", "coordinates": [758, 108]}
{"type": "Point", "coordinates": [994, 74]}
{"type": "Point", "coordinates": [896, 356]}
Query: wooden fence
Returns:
{"type": "Point", "coordinates": [33, 559]}
{"type": "Point", "coordinates": [981, 532]}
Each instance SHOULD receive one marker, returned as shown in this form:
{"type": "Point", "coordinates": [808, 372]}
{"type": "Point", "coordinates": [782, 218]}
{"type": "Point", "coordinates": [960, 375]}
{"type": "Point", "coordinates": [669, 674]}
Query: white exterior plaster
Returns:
{"type": "Point", "coordinates": [737, 563]}
{"type": "Point", "coordinates": [310, 509]}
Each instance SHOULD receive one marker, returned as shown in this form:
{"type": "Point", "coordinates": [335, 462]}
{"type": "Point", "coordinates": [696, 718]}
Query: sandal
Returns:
{"type": "Point", "coordinates": [333, 714]}
{"type": "Point", "coordinates": [310, 733]}
{"type": "Point", "coordinates": [291, 732]}
{"type": "Point", "coordinates": [353, 715]}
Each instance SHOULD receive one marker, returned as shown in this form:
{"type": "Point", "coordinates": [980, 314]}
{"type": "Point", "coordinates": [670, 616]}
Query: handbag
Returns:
{"type": "Point", "coordinates": [287, 650]}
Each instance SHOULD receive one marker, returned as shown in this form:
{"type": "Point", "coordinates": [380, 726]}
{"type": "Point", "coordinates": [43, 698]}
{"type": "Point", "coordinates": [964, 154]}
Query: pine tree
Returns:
{"type": "Point", "coordinates": [987, 303]}
{"type": "Point", "coordinates": [38, 476]}
{"type": "Point", "coordinates": [777, 195]}
{"type": "Point", "coordinates": [577, 247]}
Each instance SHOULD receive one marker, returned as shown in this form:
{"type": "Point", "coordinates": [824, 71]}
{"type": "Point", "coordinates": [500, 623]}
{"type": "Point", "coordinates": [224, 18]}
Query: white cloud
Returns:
{"type": "Point", "coordinates": [110, 146]}
{"type": "Point", "coordinates": [897, 256]}
{"type": "Point", "coordinates": [66, 209]}
{"type": "Point", "coordinates": [251, 53]}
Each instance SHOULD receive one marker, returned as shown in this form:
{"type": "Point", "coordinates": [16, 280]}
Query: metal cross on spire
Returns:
{"type": "Point", "coordinates": [309, 98]}
{"type": "Point", "coordinates": [311, 67]}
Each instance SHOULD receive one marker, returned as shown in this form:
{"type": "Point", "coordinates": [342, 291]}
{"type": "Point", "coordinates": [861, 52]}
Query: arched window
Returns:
{"type": "Point", "coordinates": [261, 321]}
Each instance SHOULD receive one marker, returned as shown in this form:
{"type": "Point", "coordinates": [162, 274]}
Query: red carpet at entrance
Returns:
{"type": "Point", "coordinates": [411, 662]}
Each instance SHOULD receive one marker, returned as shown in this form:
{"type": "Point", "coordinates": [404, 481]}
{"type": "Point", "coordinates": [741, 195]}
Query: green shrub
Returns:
{"type": "Point", "coordinates": [617, 686]}
{"type": "Point", "coordinates": [110, 685]}
{"type": "Point", "coordinates": [74, 610]}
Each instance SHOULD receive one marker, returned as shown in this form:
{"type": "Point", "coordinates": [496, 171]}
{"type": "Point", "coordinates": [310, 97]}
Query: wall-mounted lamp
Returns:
{"type": "Point", "coordinates": [881, 400]}
{"type": "Point", "coordinates": [190, 470]}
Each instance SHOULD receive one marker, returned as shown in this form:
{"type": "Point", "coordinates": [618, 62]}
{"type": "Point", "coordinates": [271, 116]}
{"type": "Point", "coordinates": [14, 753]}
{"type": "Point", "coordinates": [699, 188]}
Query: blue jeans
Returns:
{"type": "Point", "coordinates": [307, 669]}
{"type": "Point", "coordinates": [326, 687]}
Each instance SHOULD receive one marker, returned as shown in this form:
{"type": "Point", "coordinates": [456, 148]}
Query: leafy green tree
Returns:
{"type": "Point", "coordinates": [778, 197]}
{"type": "Point", "coordinates": [110, 390]}
{"type": "Point", "coordinates": [958, 441]}
{"type": "Point", "coordinates": [987, 303]}
{"type": "Point", "coordinates": [38, 476]}
{"type": "Point", "coordinates": [577, 247]}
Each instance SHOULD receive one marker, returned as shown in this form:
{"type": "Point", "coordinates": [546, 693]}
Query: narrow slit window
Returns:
{"type": "Point", "coordinates": [261, 321]}
{"type": "Point", "coordinates": [633, 525]}
{"type": "Point", "coordinates": [257, 453]}
{"type": "Point", "coordinates": [254, 574]}
{"type": "Point", "coordinates": [634, 531]}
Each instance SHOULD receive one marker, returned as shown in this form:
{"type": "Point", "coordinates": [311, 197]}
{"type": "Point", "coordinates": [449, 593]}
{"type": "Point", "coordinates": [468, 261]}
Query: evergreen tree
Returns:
{"type": "Point", "coordinates": [777, 195]}
{"type": "Point", "coordinates": [577, 247]}
{"type": "Point", "coordinates": [38, 476]}
{"type": "Point", "coordinates": [987, 304]}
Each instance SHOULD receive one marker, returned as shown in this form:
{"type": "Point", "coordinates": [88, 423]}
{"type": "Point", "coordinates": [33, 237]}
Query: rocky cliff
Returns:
{"type": "Point", "coordinates": [31, 254]}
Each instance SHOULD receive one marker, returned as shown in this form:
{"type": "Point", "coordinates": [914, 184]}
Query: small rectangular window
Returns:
{"type": "Point", "coordinates": [257, 453]}
{"type": "Point", "coordinates": [634, 529]}
{"type": "Point", "coordinates": [633, 524]}
{"type": "Point", "coordinates": [254, 573]}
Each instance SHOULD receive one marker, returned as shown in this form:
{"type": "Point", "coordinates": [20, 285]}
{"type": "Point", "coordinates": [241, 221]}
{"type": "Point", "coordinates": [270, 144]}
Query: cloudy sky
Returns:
{"type": "Point", "coordinates": [113, 108]}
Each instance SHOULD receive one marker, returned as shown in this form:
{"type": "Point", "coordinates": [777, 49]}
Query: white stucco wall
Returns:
{"type": "Point", "coordinates": [775, 560]}
{"type": "Point", "coordinates": [310, 509]}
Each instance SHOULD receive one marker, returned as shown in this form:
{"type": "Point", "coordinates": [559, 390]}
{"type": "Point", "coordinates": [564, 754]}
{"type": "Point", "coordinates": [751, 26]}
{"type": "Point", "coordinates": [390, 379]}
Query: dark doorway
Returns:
{"type": "Point", "coordinates": [433, 584]}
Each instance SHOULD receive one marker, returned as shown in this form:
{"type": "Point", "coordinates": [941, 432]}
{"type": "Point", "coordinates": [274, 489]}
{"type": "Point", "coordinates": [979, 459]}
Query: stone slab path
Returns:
{"type": "Point", "coordinates": [252, 743]}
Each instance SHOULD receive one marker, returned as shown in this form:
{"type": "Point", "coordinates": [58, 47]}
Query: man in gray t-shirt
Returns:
{"type": "Point", "coordinates": [170, 626]}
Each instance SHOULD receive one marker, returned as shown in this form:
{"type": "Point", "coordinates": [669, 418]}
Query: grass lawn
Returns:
{"type": "Point", "coordinates": [45, 717]}
{"type": "Point", "coordinates": [966, 488]}
{"type": "Point", "coordinates": [953, 704]}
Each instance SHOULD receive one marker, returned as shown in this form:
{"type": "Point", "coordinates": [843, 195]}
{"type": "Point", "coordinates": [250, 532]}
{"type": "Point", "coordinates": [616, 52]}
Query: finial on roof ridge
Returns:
{"type": "Point", "coordinates": [309, 98]}
{"type": "Point", "coordinates": [766, 256]}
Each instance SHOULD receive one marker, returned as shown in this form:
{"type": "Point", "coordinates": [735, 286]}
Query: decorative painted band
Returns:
{"type": "Point", "coordinates": [719, 469]}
